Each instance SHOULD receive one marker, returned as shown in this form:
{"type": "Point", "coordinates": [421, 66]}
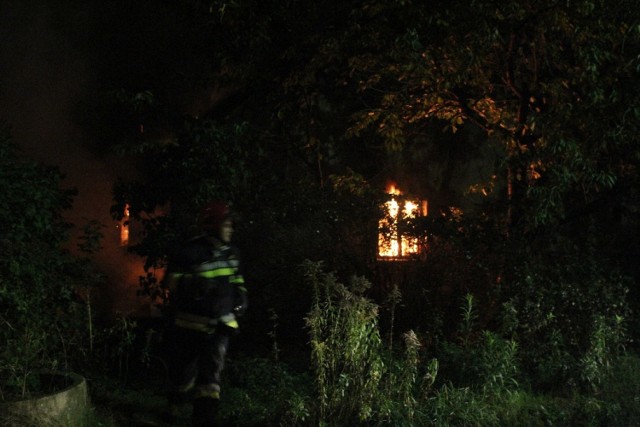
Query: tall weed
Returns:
{"type": "Point", "coordinates": [480, 358]}
{"type": "Point", "coordinates": [606, 341]}
{"type": "Point", "coordinates": [345, 348]}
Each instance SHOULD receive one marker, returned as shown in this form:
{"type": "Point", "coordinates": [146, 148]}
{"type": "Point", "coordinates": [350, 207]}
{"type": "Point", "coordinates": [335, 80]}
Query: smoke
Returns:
{"type": "Point", "coordinates": [46, 71]}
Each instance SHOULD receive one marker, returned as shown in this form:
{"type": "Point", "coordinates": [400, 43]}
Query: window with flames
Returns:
{"type": "Point", "coordinates": [394, 243]}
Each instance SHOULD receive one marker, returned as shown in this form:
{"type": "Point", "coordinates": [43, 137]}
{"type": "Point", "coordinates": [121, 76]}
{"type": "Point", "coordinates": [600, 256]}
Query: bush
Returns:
{"type": "Point", "coordinates": [568, 316]}
{"type": "Point", "coordinates": [264, 392]}
{"type": "Point", "coordinates": [620, 390]}
{"type": "Point", "coordinates": [40, 313]}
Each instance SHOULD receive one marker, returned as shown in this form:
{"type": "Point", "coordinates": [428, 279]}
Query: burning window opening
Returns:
{"type": "Point", "coordinates": [392, 243]}
{"type": "Point", "coordinates": [124, 226]}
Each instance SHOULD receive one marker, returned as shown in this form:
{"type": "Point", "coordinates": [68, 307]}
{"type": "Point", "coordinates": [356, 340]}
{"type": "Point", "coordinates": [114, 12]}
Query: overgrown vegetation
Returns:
{"type": "Point", "coordinates": [41, 315]}
{"type": "Point", "coordinates": [475, 377]}
{"type": "Point", "coordinates": [518, 121]}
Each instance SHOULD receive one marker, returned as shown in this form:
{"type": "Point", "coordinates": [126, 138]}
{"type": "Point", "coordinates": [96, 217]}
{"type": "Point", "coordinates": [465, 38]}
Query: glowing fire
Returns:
{"type": "Point", "coordinates": [124, 227]}
{"type": "Point", "coordinates": [391, 243]}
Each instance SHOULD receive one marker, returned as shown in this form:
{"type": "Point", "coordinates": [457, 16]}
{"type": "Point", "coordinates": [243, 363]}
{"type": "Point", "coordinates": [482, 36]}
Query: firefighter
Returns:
{"type": "Point", "coordinates": [206, 297]}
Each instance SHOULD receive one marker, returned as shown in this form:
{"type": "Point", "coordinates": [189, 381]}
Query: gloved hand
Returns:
{"type": "Point", "coordinates": [240, 305]}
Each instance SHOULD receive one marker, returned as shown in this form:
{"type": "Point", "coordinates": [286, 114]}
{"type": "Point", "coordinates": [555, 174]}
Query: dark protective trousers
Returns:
{"type": "Point", "coordinates": [195, 361]}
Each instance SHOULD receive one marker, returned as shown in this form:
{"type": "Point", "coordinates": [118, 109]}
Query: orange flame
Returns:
{"type": "Point", "coordinates": [391, 244]}
{"type": "Point", "coordinates": [124, 227]}
{"type": "Point", "coordinates": [392, 189]}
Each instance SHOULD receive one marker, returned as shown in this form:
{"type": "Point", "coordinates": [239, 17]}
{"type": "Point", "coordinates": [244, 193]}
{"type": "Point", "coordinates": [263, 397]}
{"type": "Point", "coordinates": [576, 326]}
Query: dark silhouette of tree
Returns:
{"type": "Point", "coordinates": [541, 94]}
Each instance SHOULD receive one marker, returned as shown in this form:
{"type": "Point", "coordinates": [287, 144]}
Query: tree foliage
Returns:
{"type": "Point", "coordinates": [337, 97]}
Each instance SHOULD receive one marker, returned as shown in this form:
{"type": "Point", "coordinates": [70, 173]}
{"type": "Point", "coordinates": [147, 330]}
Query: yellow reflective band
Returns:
{"type": "Point", "coordinates": [194, 326]}
{"type": "Point", "coordinates": [233, 324]}
{"type": "Point", "coordinates": [206, 266]}
{"type": "Point", "coordinates": [211, 274]}
{"type": "Point", "coordinates": [237, 279]}
{"type": "Point", "coordinates": [242, 288]}
{"type": "Point", "coordinates": [207, 394]}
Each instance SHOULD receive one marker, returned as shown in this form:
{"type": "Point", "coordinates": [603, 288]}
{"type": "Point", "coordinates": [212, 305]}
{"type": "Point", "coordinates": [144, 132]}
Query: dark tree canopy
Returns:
{"type": "Point", "coordinates": [320, 103]}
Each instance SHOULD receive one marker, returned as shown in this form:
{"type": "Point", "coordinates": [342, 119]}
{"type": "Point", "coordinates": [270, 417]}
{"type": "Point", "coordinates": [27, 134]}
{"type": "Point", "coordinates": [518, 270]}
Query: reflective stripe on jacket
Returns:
{"type": "Point", "coordinates": [207, 285]}
{"type": "Point", "coordinates": [203, 323]}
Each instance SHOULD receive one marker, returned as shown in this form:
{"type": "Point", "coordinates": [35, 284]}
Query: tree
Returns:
{"type": "Point", "coordinates": [334, 94]}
